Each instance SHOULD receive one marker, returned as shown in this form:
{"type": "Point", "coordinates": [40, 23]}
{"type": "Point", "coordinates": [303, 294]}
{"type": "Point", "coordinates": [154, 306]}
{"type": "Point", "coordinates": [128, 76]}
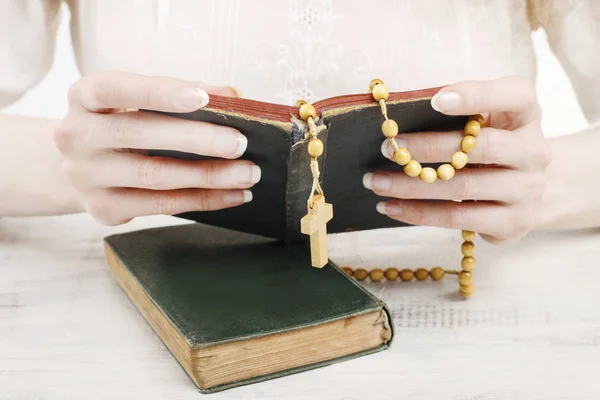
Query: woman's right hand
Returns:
{"type": "Point", "coordinates": [104, 139]}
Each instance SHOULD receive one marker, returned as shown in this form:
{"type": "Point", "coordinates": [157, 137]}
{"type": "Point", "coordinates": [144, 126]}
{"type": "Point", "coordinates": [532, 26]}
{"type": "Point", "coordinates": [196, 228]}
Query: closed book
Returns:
{"type": "Point", "coordinates": [236, 308]}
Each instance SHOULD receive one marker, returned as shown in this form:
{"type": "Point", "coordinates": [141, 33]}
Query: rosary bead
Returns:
{"type": "Point", "coordinates": [376, 275]}
{"type": "Point", "coordinates": [445, 172]}
{"type": "Point", "coordinates": [374, 82]}
{"type": "Point", "coordinates": [465, 278]}
{"type": "Point", "coordinates": [402, 156]}
{"type": "Point", "coordinates": [348, 271]}
{"type": "Point", "coordinates": [468, 235]}
{"type": "Point", "coordinates": [472, 128]}
{"type": "Point", "coordinates": [361, 274]}
{"type": "Point", "coordinates": [467, 144]}
{"type": "Point", "coordinates": [479, 118]}
{"type": "Point", "coordinates": [315, 147]}
{"type": "Point", "coordinates": [413, 168]}
{"type": "Point", "coordinates": [428, 175]}
{"type": "Point", "coordinates": [437, 273]}
{"type": "Point", "coordinates": [391, 274]}
{"type": "Point", "coordinates": [389, 127]}
{"type": "Point", "coordinates": [421, 274]}
{"type": "Point", "coordinates": [407, 275]}
{"type": "Point", "coordinates": [307, 110]}
{"type": "Point", "coordinates": [380, 91]}
{"type": "Point", "coordinates": [468, 249]}
{"type": "Point", "coordinates": [459, 159]}
{"type": "Point", "coordinates": [468, 264]}
{"type": "Point", "coordinates": [467, 290]}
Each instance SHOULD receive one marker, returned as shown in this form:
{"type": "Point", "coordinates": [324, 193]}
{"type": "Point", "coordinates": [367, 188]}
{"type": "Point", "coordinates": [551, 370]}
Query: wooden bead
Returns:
{"type": "Point", "coordinates": [472, 128]}
{"type": "Point", "coordinates": [391, 274]}
{"type": "Point", "coordinates": [468, 235]}
{"type": "Point", "coordinates": [407, 275]}
{"type": "Point", "coordinates": [307, 110]}
{"type": "Point", "coordinates": [376, 274]}
{"type": "Point", "coordinates": [468, 249]}
{"type": "Point", "coordinates": [428, 175]}
{"type": "Point", "coordinates": [402, 156]}
{"type": "Point", "coordinates": [380, 91]}
{"type": "Point", "coordinates": [459, 160]}
{"type": "Point", "coordinates": [467, 290]}
{"type": "Point", "coordinates": [437, 273]}
{"type": "Point", "coordinates": [389, 127]}
{"type": "Point", "coordinates": [479, 118]}
{"type": "Point", "coordinates": [465, 278]}
{"type": "Point", "coordinates": [349, 271]}
{"type": "Point", "coordinates": [361, 274]}
{"type": "Point", "coordinates": [445, 172]}
{"type": "Point", "coordinates": [467, 144]}
{"type": "Point", "coordinates": [468, 264]}
{"type": "Point", "coordinates": [315, 147]}
{"type": "Point", "coordinates": [413, 168]}
{"type": "Point", "coordinates": [374, 82]}
{"type": "Point", "coordinates": [421, 274]}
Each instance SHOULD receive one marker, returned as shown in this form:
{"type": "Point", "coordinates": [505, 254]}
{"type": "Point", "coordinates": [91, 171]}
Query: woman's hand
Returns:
{"type": "Point", "coordinates": [103, 140]}
{"type": "Point", "coordinates": [508, 189]}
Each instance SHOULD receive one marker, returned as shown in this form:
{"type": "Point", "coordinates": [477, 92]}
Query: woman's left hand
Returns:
{"type": "Point", "coordinates": [509, 186]}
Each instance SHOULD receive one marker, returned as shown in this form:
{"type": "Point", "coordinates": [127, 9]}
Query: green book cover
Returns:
{"type": "Point", "coordinates": [236, 308]}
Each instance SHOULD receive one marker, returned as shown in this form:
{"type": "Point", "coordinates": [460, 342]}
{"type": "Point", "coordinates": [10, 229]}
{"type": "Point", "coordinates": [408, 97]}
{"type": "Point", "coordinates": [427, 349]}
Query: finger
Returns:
{"type": "Point", "coordinates": [491, 184]}
{"type": "Point", "coordinates": [487, 218]}
{"type": "Point", "coordinates": [119, 90]}
{"type": "Point", "coordinates": [511, 94]}
{"type": "Point", "coordinates": [494, 146]}
{"type": "Point", "coordinates": [144, 130]}
{"type": "Point", "coordinates": [163, 173]}
{"type": "Point", "coordinates": [117, 206]}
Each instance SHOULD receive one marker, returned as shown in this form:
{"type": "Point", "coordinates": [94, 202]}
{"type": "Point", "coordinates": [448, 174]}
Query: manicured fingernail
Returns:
{"type": "Point", "coordinates": [192, 98]}
{"type": "Point", "coordinates": [393, 209]}
{"type": "Point", "coordinates": [446, 101]}
{"type": "Point", "coordinates": [236, 197]}
{"type": "Point", "coordinates": [235, 91]}
{"type": "Point", "coordinates": [377, 182]}
{"type": "Point", "coordinates": [387, 150]}
{"type": "Point", "coordinates": [246, 173]}
{"type": "Point", "coordinates": [367, 180]}
{"type": "Point", "coordinates": [230, 144]}
{"type": "Point", "coordinates": [381, 208]}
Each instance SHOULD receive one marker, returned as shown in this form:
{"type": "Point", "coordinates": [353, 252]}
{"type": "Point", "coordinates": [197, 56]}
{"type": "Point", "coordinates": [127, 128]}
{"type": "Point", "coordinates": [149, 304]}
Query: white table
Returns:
{"type": "Point", "coordinates": [532, 330]}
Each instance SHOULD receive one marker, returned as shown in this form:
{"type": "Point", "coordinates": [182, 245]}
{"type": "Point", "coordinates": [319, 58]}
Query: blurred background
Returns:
{"type": "Point", "coordinates": [561, 112]}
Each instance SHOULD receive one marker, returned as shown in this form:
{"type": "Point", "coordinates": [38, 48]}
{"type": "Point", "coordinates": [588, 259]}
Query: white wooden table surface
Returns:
{"type": "Point", "coordinates": [532, 331]}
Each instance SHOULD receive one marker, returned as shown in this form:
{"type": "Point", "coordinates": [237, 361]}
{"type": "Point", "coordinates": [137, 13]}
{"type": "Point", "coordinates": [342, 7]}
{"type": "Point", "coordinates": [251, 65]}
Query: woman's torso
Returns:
{"type": "Point", "coordinates": [279, 51]}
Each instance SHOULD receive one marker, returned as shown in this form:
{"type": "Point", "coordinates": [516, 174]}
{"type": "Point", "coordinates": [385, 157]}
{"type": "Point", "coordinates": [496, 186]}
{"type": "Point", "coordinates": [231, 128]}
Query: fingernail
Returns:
{"type": "Point", "coordinates": [236, 197]}
{"type": "Point", "coordinates": [230, 144]}
{"type": "Point", "coordinates": [235, 91]}
{"type": "Point", "coordinates": [381, 208]}
{"type": "Point", "coordinates": [192, 98]}
{"type": "Point", "coordinates": [390, 209]}
{"type": "Point", "coordinates": [446, 101]}
{"type": "Point", "coordinates": [393, 209]}
{"type": "Point", "coordinates": [246, 173]}
{"type": "Point", "coordinates": [377, 182]}
{"type": "Point", "coordinates": [388, 151]}
{"type": "Point", "coordinates": [367, 180]}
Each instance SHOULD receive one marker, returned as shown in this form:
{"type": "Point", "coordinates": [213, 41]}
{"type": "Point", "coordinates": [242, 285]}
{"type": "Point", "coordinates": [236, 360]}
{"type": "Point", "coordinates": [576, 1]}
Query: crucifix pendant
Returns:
{"type": "Point", "coordinates": [315, 224]}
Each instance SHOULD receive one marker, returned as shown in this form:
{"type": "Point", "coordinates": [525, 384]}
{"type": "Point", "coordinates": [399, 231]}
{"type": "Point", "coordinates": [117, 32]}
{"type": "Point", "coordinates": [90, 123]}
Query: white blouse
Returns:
{"type": "Point", "coordinates": [283, 50]}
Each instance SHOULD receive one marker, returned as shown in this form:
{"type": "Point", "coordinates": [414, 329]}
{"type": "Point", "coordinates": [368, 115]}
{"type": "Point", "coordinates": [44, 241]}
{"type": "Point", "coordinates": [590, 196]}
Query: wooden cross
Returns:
{"type": "Point", "coordinates": [315, 224]}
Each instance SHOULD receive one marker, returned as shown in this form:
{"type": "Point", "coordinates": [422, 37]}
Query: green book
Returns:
{"type": "Point", "coordinates": [236, 308]}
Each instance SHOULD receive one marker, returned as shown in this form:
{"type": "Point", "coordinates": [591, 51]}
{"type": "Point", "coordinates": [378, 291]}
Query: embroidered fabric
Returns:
{"type": "Point", "coordinates": [283, 50]}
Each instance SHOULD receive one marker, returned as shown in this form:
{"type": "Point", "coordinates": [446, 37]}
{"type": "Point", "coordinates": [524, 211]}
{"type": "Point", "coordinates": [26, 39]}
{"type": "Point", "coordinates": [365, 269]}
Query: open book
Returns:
{"type": "Point", "coordinates": [277, 143]}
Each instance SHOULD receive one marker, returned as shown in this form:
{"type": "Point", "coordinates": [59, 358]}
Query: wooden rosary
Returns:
{"type": "Point", "coordinates": [320, 212]}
